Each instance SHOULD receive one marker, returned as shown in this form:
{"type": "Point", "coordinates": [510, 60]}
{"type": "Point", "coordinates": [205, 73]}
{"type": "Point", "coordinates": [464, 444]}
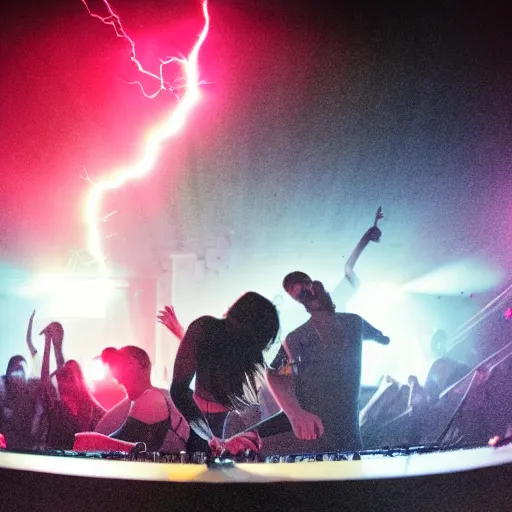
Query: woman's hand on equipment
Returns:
{"type": "Point", "coordinates": [236, 444]}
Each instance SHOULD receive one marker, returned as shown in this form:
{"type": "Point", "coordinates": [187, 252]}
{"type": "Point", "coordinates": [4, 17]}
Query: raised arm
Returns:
{"type": "Point", "coordinates": [45, 367]}
{"type": "Point", "coordinates": [52, 333]}
{"type": "Point", "coordinates": [167, 317]}
{"type": "Point", "coordinates": [30, 345]}
{"type": "Point", "coordinates": [373, 234]}
{"type": "Point", "coordinates": [58, 338]}
{"type": "Point", "coordinates": [185, 367]}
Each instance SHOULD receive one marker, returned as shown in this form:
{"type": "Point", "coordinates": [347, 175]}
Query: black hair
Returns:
{"type": "Point", "coordinates": [231, 351]}
{"type": "Point", "coordinates": [137, 353]}
{"type": "Point", "coordinates": [13, 362]}
{"type": "Point", "coordinates": [294, 278]}
{"type": "Point", "coordinates": [113, 356]}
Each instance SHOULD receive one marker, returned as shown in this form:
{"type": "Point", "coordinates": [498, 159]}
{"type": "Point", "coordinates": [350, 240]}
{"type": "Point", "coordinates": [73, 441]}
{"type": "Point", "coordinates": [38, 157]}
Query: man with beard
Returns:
{"type": "Point", "coordinates": [319, 388]}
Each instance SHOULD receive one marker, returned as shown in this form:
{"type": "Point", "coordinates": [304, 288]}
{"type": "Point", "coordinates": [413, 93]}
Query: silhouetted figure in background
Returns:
{"type": "Point", "coordinates": [70, 407]}
{"type": "Point", "coordinates": [20, 411]}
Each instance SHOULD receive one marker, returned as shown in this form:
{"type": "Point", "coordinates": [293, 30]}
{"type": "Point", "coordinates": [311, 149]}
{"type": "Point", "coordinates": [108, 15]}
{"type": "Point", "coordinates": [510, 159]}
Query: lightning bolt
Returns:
{"type": "Point", "coordinates": [168, 127]}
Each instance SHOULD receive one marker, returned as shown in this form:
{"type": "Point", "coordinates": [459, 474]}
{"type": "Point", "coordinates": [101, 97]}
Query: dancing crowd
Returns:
{"type": "Point", "coordinates": [306, 400]}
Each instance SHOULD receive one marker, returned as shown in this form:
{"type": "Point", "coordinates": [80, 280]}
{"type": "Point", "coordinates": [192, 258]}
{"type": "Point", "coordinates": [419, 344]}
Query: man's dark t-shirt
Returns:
{"type": "Point", "coordinates": [327, 352]}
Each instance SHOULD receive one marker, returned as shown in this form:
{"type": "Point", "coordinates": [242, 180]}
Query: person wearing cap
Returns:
{"type": "Point", "coordinates": [319, 393]}
{"type": "Point", "coordinates": [147, 414]}
{"type": "Point", "coordinates": [106, 390]}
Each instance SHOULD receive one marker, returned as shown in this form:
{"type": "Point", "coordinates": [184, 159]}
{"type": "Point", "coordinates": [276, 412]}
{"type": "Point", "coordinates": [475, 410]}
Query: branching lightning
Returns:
{"type": "Point", "coordinates": [168, 127]}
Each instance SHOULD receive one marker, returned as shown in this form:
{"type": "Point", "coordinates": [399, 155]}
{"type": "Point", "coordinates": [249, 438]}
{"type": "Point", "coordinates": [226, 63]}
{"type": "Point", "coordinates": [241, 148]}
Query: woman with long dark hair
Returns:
{"type": "Point", "coordinates": [226, 356]}
{"type": "Point", "coordinates": [70, 408]}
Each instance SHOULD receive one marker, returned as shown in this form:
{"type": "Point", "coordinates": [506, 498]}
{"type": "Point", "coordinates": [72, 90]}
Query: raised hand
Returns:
{"type": "Point", "coordinates": [379, 215]}
{"type": "Point", "coordinates": [56, 332]}
{"type": "Point", "coordinates": [167, 317]}
{"type": "Point", "coordinates": [373, 234]}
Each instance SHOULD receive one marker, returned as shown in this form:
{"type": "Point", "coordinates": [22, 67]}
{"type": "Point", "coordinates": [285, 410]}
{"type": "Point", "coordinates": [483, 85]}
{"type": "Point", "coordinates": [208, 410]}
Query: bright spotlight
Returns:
{"type": "Point", "coordinates": [67, 296]}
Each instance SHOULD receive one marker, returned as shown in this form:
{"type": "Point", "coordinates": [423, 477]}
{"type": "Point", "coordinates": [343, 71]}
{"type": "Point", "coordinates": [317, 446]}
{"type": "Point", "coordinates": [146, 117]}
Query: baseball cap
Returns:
{"type": "Point", "coordinates": [113, 356]}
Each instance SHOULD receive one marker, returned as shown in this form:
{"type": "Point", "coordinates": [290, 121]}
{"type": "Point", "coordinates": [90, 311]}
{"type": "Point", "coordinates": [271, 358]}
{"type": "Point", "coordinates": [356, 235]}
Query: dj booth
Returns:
{"type": "Point", "coordinates": [414, 479]}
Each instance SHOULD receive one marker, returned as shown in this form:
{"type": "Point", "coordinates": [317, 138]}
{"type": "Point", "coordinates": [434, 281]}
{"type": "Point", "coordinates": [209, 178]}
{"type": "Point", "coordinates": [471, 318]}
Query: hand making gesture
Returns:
{"type": "Point", "coordinates": [374, 233]}
{"type": "Point", "coordinates": [167, 317]}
